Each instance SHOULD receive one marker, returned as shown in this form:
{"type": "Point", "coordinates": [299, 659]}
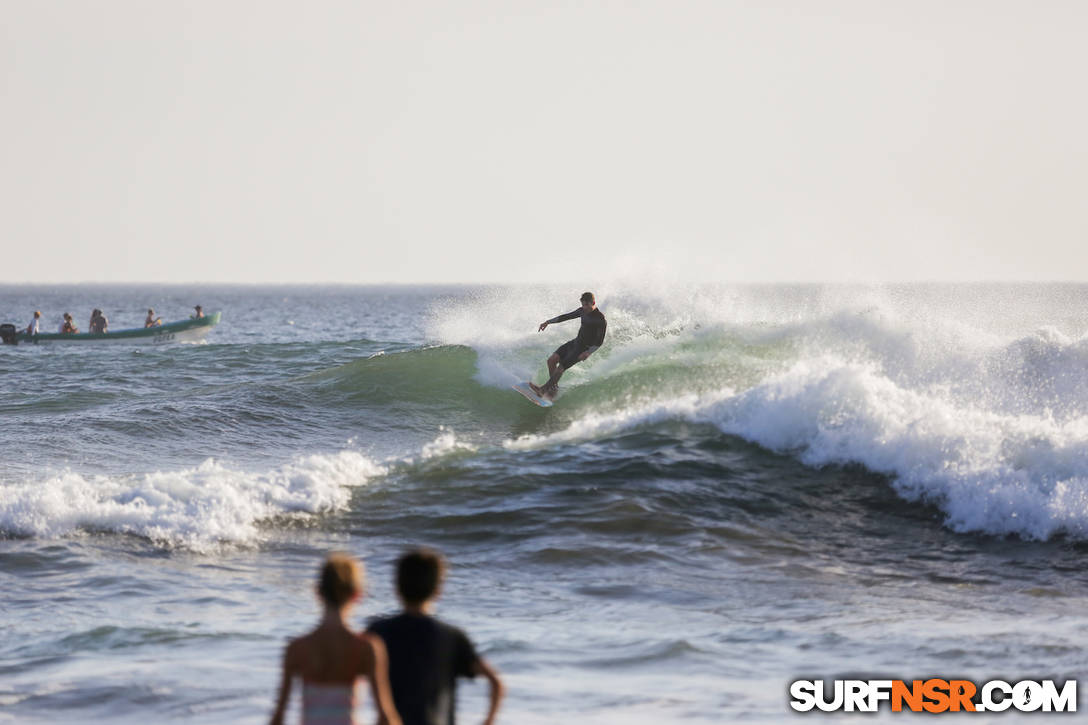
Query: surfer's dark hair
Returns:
{"type": "Point", "coordinates": [588, 297]}
{"type": "Point", "coordinates": [341, 579]}
{"type": "Point", "coordinates": [419, 575]}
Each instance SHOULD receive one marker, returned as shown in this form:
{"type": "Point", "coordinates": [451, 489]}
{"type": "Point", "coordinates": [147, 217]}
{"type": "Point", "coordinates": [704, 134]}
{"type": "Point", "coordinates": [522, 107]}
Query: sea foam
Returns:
{"type": "Point", "coordinates": [995, 472]}
{"type": "Point", "coordinates": [194, 508]}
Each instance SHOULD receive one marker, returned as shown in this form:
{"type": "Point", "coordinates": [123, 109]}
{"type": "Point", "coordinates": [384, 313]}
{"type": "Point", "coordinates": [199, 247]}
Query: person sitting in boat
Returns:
{"type": "Point", "coordinates": [99, 323]}
{"type": "Point", "coordinates": [199, 313]}
{"type": "Point", "coordinates": [33, 327]}
{"type": "Point", "coordinates": [69, 326]}
{"type": "Point", "coordinates": [151, 320]}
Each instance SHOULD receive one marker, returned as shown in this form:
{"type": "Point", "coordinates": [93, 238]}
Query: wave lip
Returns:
{"type": "Point", "coordinates": [196, 508]}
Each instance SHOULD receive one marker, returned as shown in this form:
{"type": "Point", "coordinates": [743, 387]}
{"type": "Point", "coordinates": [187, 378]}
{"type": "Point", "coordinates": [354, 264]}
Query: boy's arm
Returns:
{"type": "Point", "coordinates": [377, 672]}
{"type": "Point", "coordinates": [481, 667]}
{"type": "Point", "coordinates": [285, 688]}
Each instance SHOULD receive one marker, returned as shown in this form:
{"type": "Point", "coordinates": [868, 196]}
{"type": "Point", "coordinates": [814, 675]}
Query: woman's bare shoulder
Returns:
{"type": "Point", "coordinates": [372, 647]}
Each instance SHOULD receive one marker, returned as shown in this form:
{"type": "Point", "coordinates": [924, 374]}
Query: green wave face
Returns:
{"type": "Point", "coordinates": [455, 379]}
{"type": "Point", "coordinates": [442, 375]}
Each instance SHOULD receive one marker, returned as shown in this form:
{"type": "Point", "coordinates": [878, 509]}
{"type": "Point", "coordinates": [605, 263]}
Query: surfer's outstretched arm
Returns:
{"type": "Point", "coordinates": [561, 318]}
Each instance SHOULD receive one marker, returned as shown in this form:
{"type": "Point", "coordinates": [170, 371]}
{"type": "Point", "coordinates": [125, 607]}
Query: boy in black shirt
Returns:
{"type": "Point", "coordinates": [427, 655]}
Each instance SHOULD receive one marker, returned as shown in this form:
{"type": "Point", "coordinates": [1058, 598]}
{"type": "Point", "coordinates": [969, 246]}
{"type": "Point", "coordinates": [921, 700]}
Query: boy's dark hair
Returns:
{"type": "Point", "coordinates": [419, 575]}
{"type": "Point", "coordinates": [341, 579]}
{"type": "Point", "coordinates": [588, 297]}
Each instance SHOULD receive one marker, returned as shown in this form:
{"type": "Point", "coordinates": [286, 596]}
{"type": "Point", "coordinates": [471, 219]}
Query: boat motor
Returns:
{"type": "Point", "coordinates": [8, 335]}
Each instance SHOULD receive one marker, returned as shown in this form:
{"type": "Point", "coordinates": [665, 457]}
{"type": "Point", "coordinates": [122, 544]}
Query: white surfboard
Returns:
{"type": "Point", "coordinates": [528, 392]}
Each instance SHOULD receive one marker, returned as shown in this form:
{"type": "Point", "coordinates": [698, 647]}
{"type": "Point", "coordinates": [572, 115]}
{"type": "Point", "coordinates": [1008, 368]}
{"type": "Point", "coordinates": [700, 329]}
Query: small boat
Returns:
{"type": "Point", "coordinates": [191, 330]}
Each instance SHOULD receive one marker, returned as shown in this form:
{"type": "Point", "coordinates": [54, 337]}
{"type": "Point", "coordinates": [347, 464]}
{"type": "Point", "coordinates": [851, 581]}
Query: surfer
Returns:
{"type": "Point", "coordinates": [590, 337]}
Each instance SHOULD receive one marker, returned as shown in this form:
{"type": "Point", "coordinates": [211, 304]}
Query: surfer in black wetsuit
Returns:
{"type": "Point", "coordinates": [590, 337]}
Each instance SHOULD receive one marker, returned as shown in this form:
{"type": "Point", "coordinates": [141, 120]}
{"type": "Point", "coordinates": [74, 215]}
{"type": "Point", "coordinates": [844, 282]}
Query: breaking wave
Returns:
{"type": "Point", "coordinates": [195, 508]}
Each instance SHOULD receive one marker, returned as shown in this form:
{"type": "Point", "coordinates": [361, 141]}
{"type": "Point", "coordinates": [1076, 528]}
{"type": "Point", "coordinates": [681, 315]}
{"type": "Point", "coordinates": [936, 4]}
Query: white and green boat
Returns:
{"type": "Point", "coordinates": [191, 330]}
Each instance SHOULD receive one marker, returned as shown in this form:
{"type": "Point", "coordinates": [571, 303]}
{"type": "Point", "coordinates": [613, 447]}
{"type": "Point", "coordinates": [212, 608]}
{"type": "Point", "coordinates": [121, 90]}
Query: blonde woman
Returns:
{"type": "Point", "coordinates": [332, 657]}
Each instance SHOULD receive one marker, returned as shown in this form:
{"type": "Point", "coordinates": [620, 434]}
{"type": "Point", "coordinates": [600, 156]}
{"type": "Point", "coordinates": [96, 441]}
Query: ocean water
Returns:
{"type": "Point", "coordinates": [745, 486]}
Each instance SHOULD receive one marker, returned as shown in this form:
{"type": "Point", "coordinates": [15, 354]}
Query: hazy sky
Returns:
{"type": "Point", "coordinates": [505, 141]}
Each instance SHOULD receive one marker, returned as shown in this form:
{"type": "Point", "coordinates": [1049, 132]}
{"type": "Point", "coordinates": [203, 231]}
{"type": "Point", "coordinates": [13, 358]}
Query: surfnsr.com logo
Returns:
{"type": "Point", "coordinates": [933, 695]}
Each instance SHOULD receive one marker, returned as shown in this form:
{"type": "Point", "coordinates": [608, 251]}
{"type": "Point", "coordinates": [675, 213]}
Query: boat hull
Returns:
{"type": "Point", "coordinates": [192, 330]}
